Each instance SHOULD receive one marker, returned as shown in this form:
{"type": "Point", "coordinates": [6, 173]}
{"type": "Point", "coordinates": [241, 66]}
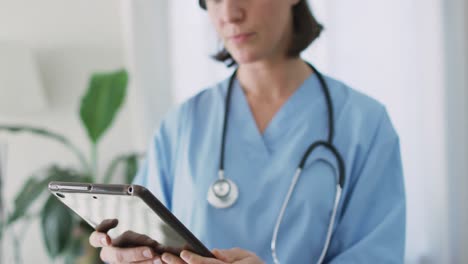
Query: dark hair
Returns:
{"type": "Point", "coordinates": [305, 30]}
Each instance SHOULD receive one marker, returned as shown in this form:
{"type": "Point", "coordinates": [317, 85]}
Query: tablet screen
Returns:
{"type": "Point", "coordinates": [133, 215]}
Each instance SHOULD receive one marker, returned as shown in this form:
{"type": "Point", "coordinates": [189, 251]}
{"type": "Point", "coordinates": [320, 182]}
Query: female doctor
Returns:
{"type": "Point", "coordinates": [278, 163]}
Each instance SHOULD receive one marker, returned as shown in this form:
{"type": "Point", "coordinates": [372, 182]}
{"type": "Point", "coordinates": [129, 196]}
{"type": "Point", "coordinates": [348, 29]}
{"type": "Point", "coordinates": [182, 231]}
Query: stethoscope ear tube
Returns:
{"type": "Point", "coordinates": [331, 224]}
{"type": "Point", "coordinates": [336, 154]}
{"type": "Point", "coordinates": [281, 214]}
{"type": "Point", "coordinates": [279, 220]}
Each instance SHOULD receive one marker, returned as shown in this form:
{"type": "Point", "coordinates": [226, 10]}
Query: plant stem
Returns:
{"type": "Point", "coordinates": [94, 162]}
{"type": "Point", "coordinates": [18, 240]}
{"type": "Point", "coordinates": [16, 248]}
{"type": "Point", "coordinates": [82, 159]}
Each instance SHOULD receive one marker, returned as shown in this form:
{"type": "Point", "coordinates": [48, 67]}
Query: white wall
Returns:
{"type": "Point", "coordinates": [193, 41]}
{"type": "Point", "coordinates": [147, 49]}
{"type": "Point", "coordinates": [70, 39]}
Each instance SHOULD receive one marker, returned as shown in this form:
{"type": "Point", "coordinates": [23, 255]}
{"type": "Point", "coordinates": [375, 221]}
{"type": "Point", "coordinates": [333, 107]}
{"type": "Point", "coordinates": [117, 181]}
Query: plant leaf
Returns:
{"type": "Point", "coordinates": [57, 226]}
{"type": "Point", "coordinates": [29, 193]}
{"type": "Point", "coordinates": [36, 185]}
{"type": "Point", "coordinates": [103, 99]}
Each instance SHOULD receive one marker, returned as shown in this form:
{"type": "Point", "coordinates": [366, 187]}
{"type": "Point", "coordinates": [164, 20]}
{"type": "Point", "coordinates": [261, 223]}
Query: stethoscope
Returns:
{"type": "Point", "coordinates": [223, 193]}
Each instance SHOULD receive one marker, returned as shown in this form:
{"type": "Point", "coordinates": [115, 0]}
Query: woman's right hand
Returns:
{"type": "Point", "coordinates": [120, 250]}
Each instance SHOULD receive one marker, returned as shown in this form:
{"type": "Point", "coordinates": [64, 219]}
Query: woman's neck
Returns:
{"type": "Point", "coordinates": [273, 80]}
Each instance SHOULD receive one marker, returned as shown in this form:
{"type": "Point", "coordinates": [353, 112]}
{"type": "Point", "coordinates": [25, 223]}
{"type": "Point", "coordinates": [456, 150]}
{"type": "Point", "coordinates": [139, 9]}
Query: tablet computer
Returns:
{"type": "Point", "coordinates": [136, 209]}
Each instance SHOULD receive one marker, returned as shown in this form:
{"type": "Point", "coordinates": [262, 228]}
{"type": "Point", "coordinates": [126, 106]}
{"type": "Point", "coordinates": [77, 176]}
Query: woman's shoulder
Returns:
{"type": "Point", "coordinates": [207, 100]}
{"type": "Point", "coordinates": [358, 112]}
{"type": "Point", "coordinates": [356, 102]}
{"type": "Point", "coordinates": [209, 97]}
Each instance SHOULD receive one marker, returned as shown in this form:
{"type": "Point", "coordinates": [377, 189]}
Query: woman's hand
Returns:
{"type": "Point", "coordinates": [135, 248]}
{"type": "Point", "coordinates": [120, 250]}
{"type": "Point", "coordinates": [231, 256]}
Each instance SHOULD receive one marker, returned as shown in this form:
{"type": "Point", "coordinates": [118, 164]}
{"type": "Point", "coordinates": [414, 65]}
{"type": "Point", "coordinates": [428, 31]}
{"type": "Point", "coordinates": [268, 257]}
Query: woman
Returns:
{"type": "Point", "coordinates": [263, 120]}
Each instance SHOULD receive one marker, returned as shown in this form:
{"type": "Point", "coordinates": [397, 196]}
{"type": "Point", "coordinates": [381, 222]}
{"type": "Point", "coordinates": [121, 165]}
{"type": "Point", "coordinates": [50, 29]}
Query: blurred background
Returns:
{"type": "Point", "coordinates": [410, 55]}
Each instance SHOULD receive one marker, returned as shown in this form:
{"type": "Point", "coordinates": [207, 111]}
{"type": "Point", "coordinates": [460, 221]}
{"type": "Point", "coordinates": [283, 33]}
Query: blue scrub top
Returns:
{"type": "Point", "coordinates": [183, 159]}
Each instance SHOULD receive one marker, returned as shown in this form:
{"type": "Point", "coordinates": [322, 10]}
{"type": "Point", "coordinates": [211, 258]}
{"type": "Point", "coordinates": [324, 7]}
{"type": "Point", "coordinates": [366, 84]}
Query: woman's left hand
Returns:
{"type": "Point", "coordinates": [231, 256]}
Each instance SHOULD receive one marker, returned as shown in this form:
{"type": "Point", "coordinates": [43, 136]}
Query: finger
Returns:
{"type": "Point", "coordinates": [234, 254]}
{"type": "Point", "coordinates": [156, 260]}
{"type": "Point", "coordinates": [192, 258]}
{"type": "Point", "coordinates": [107, 225]}
{"type": "Point", "coordinates": [172, 259]}
{"type": "Point", "coordinates": [132, 239]}
{"type": "Point", "coordinates": [119, 255]}
{"type": "Point", "coordinates": [97, 239]}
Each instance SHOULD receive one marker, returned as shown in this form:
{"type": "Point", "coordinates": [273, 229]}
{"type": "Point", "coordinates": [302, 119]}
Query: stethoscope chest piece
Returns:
{"type": "Point", "coordinates": [223, 193]}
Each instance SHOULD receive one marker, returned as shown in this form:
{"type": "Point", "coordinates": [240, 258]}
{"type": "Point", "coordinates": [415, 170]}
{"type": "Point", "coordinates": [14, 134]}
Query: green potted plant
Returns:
{"type": "Point", "coordinates": [64, 234]}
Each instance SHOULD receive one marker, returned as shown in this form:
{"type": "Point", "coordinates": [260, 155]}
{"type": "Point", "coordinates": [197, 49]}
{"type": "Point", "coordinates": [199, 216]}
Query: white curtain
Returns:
{"type": "Point", "coordinates": [391, 50]}
{"type": "Point", "coordinates": [456, 46]}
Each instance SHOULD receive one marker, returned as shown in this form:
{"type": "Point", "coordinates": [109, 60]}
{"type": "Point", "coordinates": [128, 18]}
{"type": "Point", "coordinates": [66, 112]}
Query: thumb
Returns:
{"type": "Point", "coordinates": [220, 255]}
{"type": "Point", "coordinates": [192, 258]}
